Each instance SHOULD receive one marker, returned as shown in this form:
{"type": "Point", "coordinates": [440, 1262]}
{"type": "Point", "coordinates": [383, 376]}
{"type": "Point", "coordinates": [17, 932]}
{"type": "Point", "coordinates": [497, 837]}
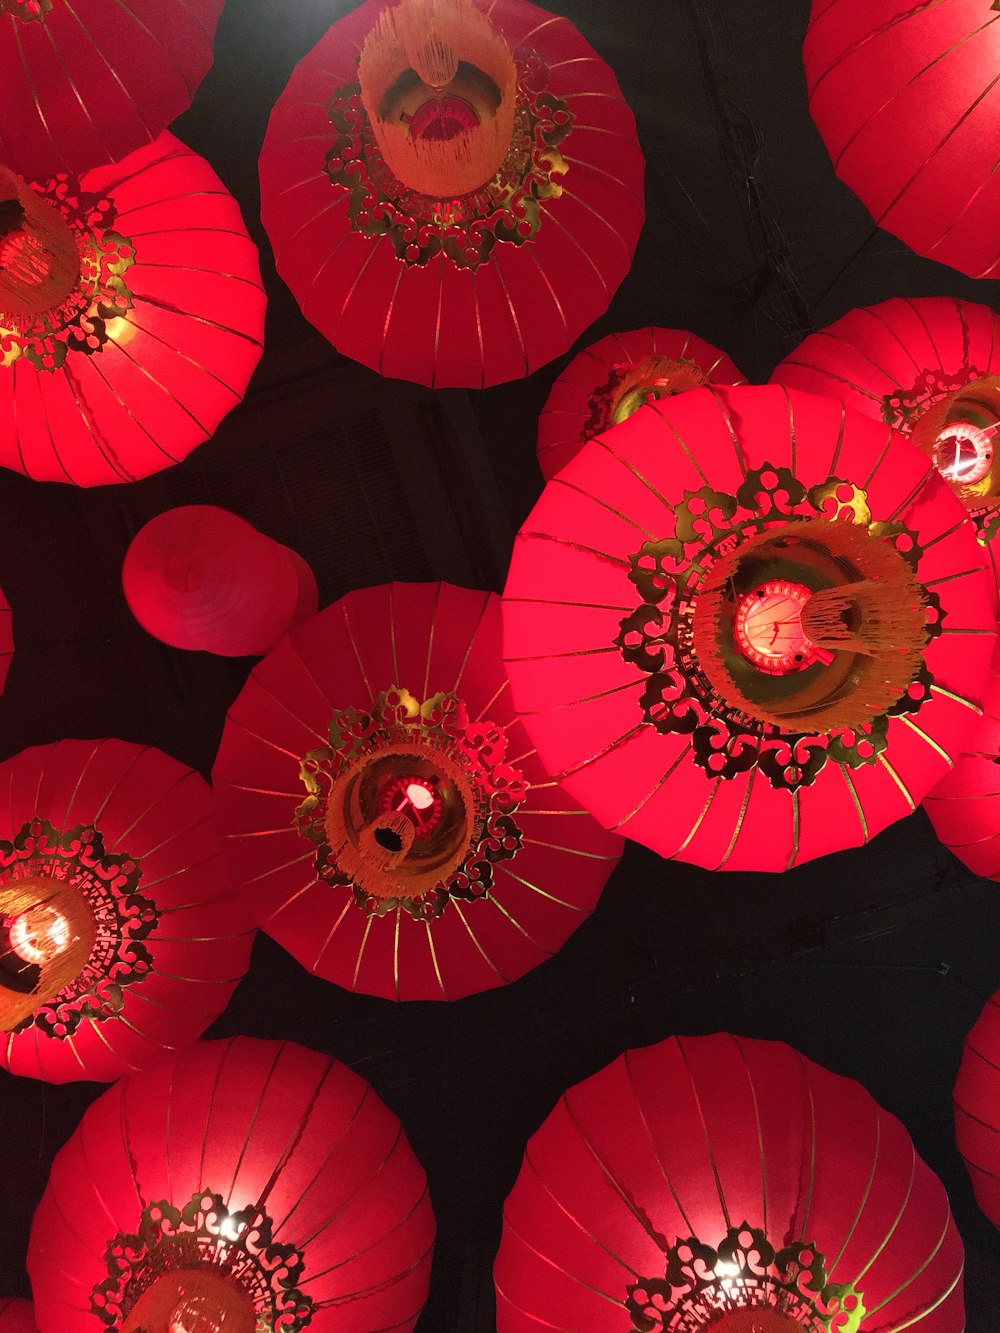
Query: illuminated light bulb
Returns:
{"type": "Point", "coordinates": [232, 1230]}
{"type": "Point", "coordinates": [419, 796]}
{"type": "Point", "coordinates": [39, 934]}
{"type": "Point", "coordinates": [964, 452]}
{"type": "Point", "coordinates": [768, 627]}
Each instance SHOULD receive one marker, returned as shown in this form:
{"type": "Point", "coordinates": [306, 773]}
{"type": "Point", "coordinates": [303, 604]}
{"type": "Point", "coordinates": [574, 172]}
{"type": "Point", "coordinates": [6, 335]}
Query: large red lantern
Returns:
{"type": "Point", "coordinates": [6, 639]}
{"type": "Point", "coordinates": [17, 1316]}
{"type": "Point", "coordinates": [131, 316]}
{"type": "Point", "coordinates": [122, 935]}
{"type": "Point", "coordinates": [977, 1108]}
{"type": "Point", "coordinates": [453, 188]}
{"type": "Point", "coordinates": [200, 577]}
{"type": "Point", "coordinates": [965, 807]}
{"type": "Point", "coordinates": [748, 627]}
{"type": "Point", "coordinates": [718, 1182]}
{"type": "Point", "coordinates": [906, 98]}
{"type": "Point", "coordinates": [85, 83]}
{"type": "Point", "coordinates": [386, 812]}
{"type": "Point", "coordinates": [604, 384]}
{"type": "Point", "coordinates": [243, 1185]}
{"type": "Point", "coordinates": [930, 368]}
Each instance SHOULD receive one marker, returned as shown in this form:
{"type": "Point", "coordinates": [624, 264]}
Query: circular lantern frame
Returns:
{"type": "Point", "coordinates": [267, 1179]}
{"type": "Point", "coordinates": [386, 815]}
{"type": "Point", "coordinates": [458, 288]}
{"type": "Point", "coordinates": [131, 70]}
{"type": "Point", "coordinates": [133, 936]}
{"type": "Point", "coordinates": [725, 1182]}
{"type": "Point", "coordinates": [928, 367]}
{"type": "Point", "coordinates": [906, 99]}
{"type": "Point", "coordinates": [122, 360]}
{"type": "Point", "coordinates": [202, 578]}
{"type": "Point", "coordinates": [631, 685]}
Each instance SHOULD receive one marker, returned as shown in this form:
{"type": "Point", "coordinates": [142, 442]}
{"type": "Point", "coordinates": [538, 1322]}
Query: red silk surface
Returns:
{"type": "Point", "coordinates": [977, 1108]}
{"type": "Point", "coordinates": [267, 1126]}
{"type": "Point", "coordinates": [17, 1316]}
{"type": "Point", "coordinates": [200, 577]}
{"type": "Point", "coordinates": [906, 97]}
{"type": "Point", "coordinates": [175, 362]}
{"type": "Point", "coordinates": [576, 408]}
{"type": "Point", "coordinates": [569, 593]}
{"type": "Point", "coordinates": [159, 816]}
{"type": "Point", "coordinates": [697, 1134]}
{"type": "Point", "coordinates": [423, 638]}
{"type": "Point", "coordinates": [436, 323]}
{"type": "Point", "coordinates": [86, 83]}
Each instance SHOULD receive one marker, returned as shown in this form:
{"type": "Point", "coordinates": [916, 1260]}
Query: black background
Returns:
{"type": "Point", "coordinates": [873, 962]}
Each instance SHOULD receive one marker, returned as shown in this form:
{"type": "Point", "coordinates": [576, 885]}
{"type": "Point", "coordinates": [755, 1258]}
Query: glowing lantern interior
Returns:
{"type": "Point", "coordinates": [196, 1300]}
{"type": "Point", "coordinates": [39, 934]}
{"type": "Point", "coordinates": [963, 452]}
{"type": "Point", "coordinates": [768, 628]}
{"type": "Point", "coordinates": [418, 798]}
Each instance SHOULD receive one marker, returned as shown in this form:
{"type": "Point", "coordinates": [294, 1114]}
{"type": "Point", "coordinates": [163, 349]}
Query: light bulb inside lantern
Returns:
{"type": "Point", "coordinates": [963, 452]}
{"type": "Point", "coordinates": [768, 628]}
{"type": "Point", "coordinates": [419, 795]}
{"type": "Point", "coordinates": [39, 934]}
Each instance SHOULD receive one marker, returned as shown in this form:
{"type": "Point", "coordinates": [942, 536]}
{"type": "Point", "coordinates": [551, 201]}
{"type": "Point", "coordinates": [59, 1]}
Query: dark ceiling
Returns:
{"type": "Point", "coordinates": [873, 962]}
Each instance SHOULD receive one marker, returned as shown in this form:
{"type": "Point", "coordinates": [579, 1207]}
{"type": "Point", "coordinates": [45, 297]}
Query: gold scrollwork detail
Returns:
{"type": "Point", "coordinates": [466, 229]}
{"type": "Point", "coordinates": [703, 1283]}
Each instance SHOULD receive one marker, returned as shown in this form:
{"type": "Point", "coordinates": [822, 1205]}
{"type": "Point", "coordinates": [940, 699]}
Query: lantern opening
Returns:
{"type": "Point", "coordinates": [439, 84]}
{"type": "Point", "coordinates": [855, 625]}
{"type": "Point", "coordinates": [193, 1300]}
{"type": "Point", "coordinates": [398, 822]}
{"type": "Point", "coordinates": [655, 378]}
{"type": "Point", "coordinates": [47, 934]}
{"type": "Point", "coordinates": [958, 432]}
{"type": "Point", "coordinates": [756, 1321]}
{"type": "Point", "coordinates": [39, 254]}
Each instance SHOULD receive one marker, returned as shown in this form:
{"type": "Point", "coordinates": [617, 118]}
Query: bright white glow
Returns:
{"type": "Point", "coordinates": [231, 1230]}
{"type": "Point", "coordinates": [419, 796]}
{"type": "Point", "coordinates": [39, 934]}
{"type": "Point", "coordinates": [964, 452]}
{"type": "Point", "coordinates": [194, 1314]}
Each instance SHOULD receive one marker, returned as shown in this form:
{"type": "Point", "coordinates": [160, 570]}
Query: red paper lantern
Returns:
{"type": "Point", "coordinates": [122, 937]}
{"type": "Point", "coordinates": [242, 1185]}
{"type": "Point", "coordinates": [748, 627]}
{"type": "Point", "coordinates": [85, 83]}
{"type": "Point", "coordinates": [386, 812]}
{"type": "Point", "coordinates": [928, 367]}
{"type": "Point", "coordinates": [6, 639]}
{"type": "Point", "coordinates": [604, 384]}
{"type": "Point", "coordinates": [131, 316]}
{"type": "Point", "coordinates": [977, 1108]}
{"type": "Point", "coordinates": [200, 577]}
{"type": "Point", "coordinates": [718, 1181]}
{"type": "Point", "coordinates": [17, 1316]}
{"type": "Point", "coordinates": [458, 226]}
{"type": "Point", "coordinates": [965, 807]}
{"type": "Point", "coordinates": [906, 98]}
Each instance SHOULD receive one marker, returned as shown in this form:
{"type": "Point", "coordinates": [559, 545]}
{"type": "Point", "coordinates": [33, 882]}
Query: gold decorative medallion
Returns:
{"type": "Point", "coordinates": [411, 804]}
{"type": "Point", "coordinates": [76, 875]}
{"type": "Point", "coordinates": [742, 1285]}
{"type": "Point", "coordinates": [231, 1257]}
{"type": "Point", "coordinates": [780, 628]}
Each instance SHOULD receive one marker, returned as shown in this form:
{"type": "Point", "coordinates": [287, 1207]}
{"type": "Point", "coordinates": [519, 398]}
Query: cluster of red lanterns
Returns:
{"type": "Point", "coordinates": [744, 626]}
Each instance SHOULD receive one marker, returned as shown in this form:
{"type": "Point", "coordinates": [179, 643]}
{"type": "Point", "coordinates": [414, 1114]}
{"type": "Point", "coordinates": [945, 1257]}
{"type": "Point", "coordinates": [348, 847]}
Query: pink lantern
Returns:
{"type": "Point", "coordinates": [905, 95]}
{"type": "Point", "coordinates": [200, 577]}
{"type": "Point", "coordinates": [604, 384]}
{"type": "Point", "coordinates": [240, 1186]}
